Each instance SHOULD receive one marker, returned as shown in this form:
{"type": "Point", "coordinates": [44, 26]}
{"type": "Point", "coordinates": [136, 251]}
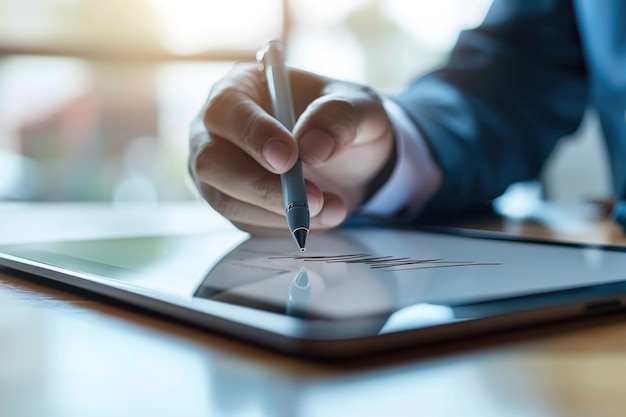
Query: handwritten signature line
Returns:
{"type": "Point", "coordinates": [388, 263]}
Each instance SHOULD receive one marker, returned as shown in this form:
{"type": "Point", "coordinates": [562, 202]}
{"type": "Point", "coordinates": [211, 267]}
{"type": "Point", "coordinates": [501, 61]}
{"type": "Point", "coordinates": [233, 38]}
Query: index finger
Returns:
{"type": "Point", "coordinates": [236, 111]}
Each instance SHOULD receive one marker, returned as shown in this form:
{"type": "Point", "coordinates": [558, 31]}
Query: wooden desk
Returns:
{"type": "Point", "coordinates": [64, 354]}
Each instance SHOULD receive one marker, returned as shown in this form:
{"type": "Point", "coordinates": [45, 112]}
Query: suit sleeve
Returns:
{"type": "Point", "coordinates": [511, 88]}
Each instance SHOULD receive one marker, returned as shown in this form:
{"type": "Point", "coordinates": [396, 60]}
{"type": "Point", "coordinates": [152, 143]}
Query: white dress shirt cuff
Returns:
{"type": "Point", "coordinates": [416, 176]}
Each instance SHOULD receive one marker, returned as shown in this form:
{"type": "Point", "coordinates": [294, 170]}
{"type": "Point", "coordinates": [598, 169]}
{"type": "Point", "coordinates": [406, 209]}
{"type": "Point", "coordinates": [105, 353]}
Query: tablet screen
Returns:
{"type": "Point", "coordinates": [344, 274]}
{"type": "Point", "coordinates": [354, 273]}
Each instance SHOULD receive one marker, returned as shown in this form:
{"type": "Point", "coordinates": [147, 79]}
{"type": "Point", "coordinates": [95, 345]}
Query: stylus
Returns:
{"type": "Point", "coordinates": [299, 295]}
{"type": "Point", "coordinates": [271, 57]}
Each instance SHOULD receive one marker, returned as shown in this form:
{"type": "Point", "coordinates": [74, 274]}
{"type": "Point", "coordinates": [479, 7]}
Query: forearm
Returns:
{"type": "Point", "coordinates": [510, 90]}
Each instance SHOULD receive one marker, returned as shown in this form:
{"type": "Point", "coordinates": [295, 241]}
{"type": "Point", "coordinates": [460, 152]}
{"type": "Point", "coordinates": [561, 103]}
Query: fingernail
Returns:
{"type": "Point", "coordinates": [317, 145]}
{"type": "Point", "coordinates": [276, 153]}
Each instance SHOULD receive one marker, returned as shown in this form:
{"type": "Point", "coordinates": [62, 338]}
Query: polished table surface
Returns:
{"type": "Point", "coordinates": [63, 353]}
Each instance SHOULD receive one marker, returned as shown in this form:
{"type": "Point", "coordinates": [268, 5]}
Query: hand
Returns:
{"type": "Point", "coordinates": [342, 135]}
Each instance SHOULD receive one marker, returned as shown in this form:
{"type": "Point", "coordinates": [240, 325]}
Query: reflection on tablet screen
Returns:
{"type": "Point", "coordinates": [353, 274]}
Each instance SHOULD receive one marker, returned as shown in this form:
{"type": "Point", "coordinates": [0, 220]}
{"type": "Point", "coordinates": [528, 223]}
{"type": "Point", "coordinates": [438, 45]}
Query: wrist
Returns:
{"type": "Point", "coordinates": [383, 175]}
{"type": "Point", "coordinates": [414, 177]}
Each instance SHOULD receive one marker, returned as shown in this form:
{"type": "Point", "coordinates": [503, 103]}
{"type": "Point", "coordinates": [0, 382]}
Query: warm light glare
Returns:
{"type": "Point", "coordinates": [325, 12]}
{"type": "Point", "coordinates": [190, 26]}
{"type": "Point", "coordinates": [436, 23]}
{"type": "Point", "coordinates": [310, 51]}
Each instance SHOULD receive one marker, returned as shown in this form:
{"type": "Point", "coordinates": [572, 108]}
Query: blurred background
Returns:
{"type": "Point", "coordinates": [96, 96]}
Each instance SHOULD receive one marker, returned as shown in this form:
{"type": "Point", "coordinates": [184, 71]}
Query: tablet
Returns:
{"type": "Point", "coordinates": [353, 292]}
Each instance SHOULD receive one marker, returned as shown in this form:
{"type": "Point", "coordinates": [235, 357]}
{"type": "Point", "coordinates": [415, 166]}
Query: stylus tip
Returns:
{"type": "Point", "coordinates": [300, 235]}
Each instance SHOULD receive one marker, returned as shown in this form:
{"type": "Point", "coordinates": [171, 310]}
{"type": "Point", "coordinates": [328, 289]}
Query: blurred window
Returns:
{"type": "Point", "coordinates": [96, 96]}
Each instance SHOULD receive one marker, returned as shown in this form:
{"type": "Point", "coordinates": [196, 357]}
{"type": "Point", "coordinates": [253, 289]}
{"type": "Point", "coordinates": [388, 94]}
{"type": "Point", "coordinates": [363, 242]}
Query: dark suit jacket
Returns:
{"type": "Point", "coordinates": [514, 86]}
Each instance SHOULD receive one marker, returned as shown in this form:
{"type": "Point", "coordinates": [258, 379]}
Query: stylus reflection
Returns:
{"type": "Point", "coordinates": [299, 295]}
{"type": "Point", "coordinates": [255, 275]}
{"type": "Point", "coordinates": [344, 276]}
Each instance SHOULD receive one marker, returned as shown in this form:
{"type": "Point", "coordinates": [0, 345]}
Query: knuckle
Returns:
{"type": "Point", "coordinates": [217, 105]}
{"type": "Point", "coordinates": [249, 124]}
{"type": "Point", "coordinates": [266, 192]}
{"type": "Point", "coordinates": [343, 110]}
{"type": "Point", "coordinates": [204, 165]}
{"type": "Point", "coordinates": [341, 116]}
{"type": "Point", "coordinates": [242, 80]}
{"type": "Point", "coordinates": [223, 204]}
